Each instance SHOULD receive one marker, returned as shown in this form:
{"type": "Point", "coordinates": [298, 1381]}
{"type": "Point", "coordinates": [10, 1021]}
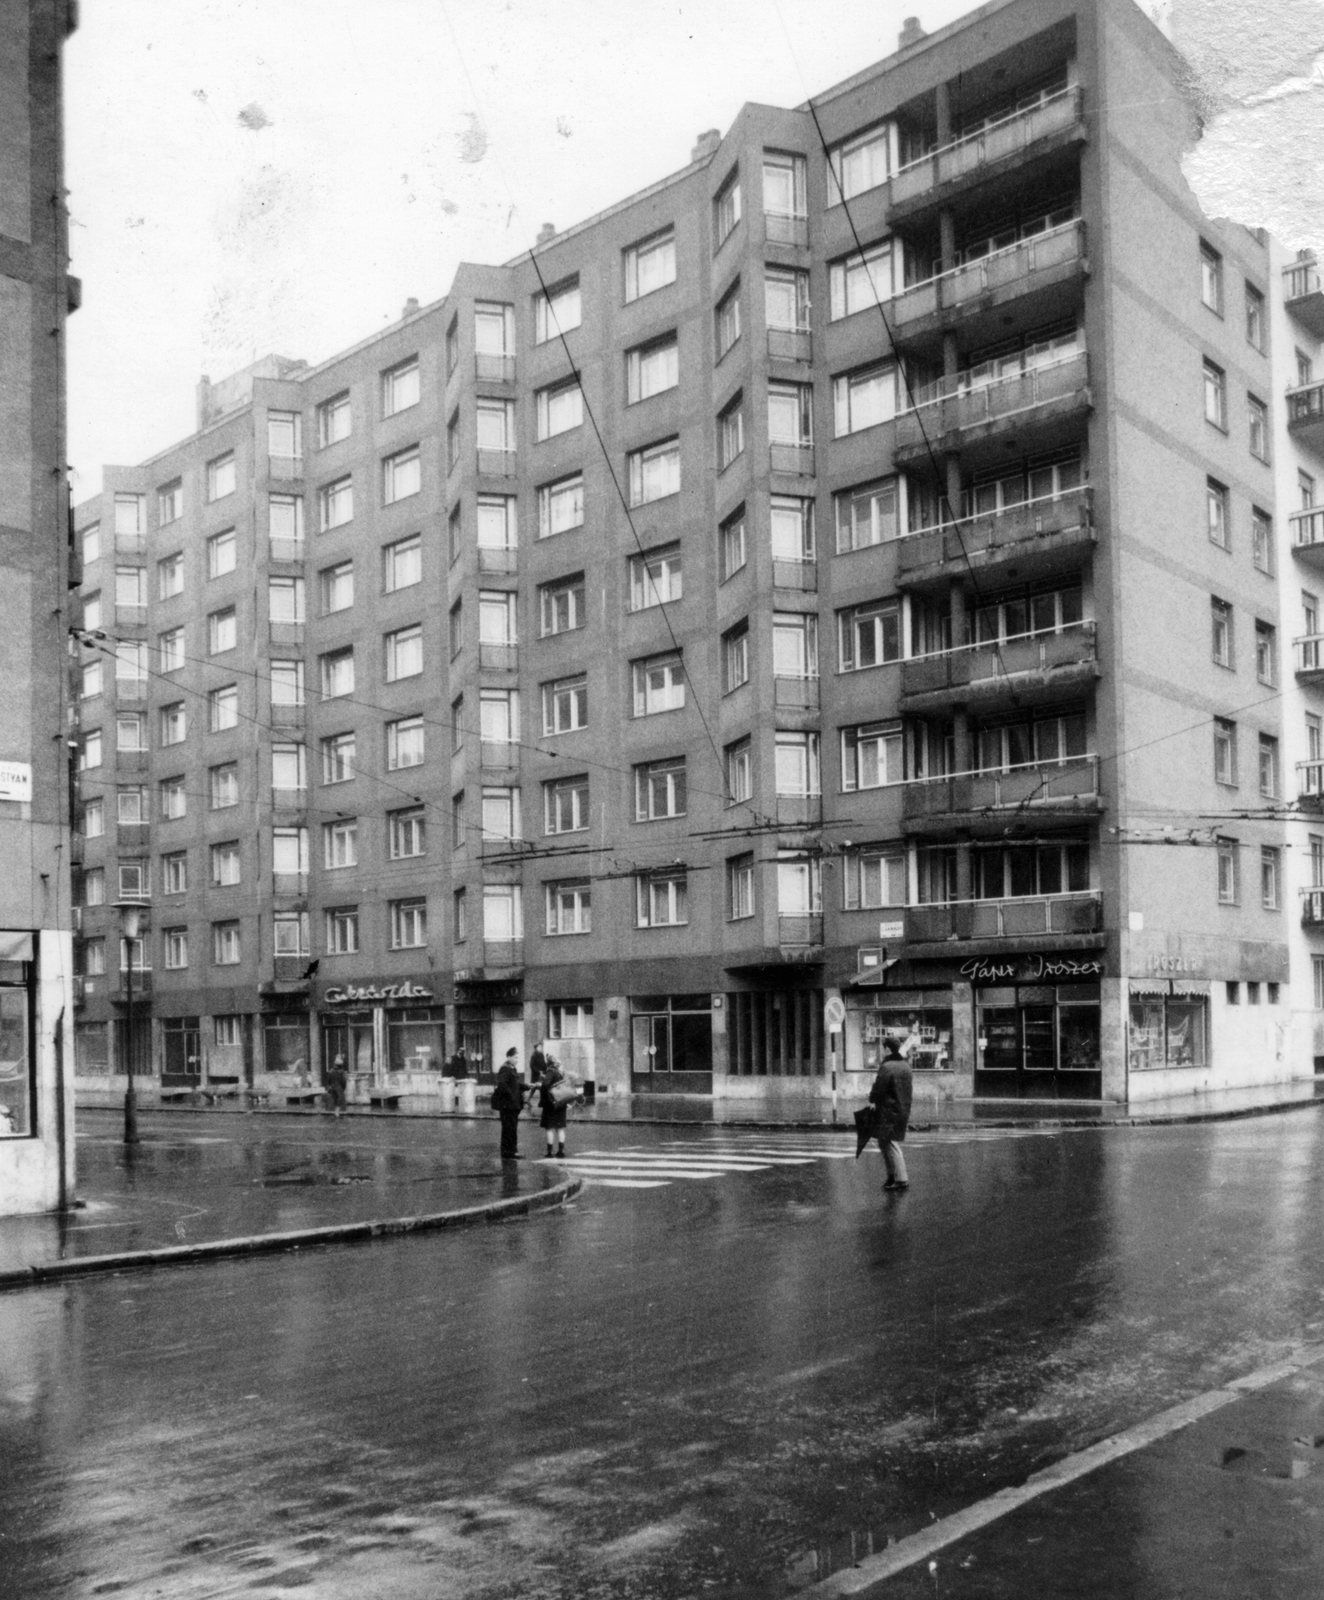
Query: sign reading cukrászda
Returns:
{"type": "Point", "coordinates": [353, 993]}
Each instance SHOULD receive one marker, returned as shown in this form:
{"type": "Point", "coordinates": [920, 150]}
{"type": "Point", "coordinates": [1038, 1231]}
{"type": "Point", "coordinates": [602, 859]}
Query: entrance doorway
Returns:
{"type": "Point", "coordinates": [1039, 1042]}
{"type": "Point", "coordinates": [181, 1063]}
{"type": "Point", "coordinates": [671, 1044]}
{"type": "Point", "coordinates": [350, 1035]}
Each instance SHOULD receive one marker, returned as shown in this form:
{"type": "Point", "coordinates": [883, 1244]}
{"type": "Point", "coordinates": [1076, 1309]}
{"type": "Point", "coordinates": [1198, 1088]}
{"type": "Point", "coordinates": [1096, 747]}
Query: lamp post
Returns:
{"type": "Point", "coordinates": [131, 913]}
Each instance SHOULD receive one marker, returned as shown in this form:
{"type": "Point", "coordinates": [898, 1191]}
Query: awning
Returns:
{"type": "Point", "coordinates": [1190, 986]}
{"type": "Point", "coordinates": [1150, 985]}
{"type": "Point", "coordinates": [15, 946]}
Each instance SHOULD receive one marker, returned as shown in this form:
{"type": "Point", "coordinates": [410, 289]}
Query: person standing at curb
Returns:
{"type": "Point", "coordinates": [508, 1102]}
{"type": "Point", "coordinates": [553, 1110]}
{"type": "Point", "coordinates": [337, 1081]}
{"type": "Point", "coordinates": [891, 1093]}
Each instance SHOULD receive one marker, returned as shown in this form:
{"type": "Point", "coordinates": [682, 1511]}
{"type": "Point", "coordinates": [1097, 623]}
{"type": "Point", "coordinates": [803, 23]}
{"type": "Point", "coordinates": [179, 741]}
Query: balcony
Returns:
{"type": "Point", "coordinates": [778, 228]}
{"type": "Point", "coordinates": [496, 463]}
{"type": "Point", "coordinates": [1027, 267]}
{"type": "Point", "coordinates": [790, 344]}
{"type": "Point", "coordinates": [290, 883]}
{"type": "Point", "coordinates": [498, 755]}
{"type": "Point", "coordinates": [1303, 295]}
{"type": "Point", "coordinates": [1305, 415]}
{"type": "Point", "coordinates": [502, 955]}
{"type": "Point", "coordinates": [947, 418]}
{"type": "Point", "coordinates": [1312, 908]}
{"type": "Point", "coordinates": [284, 469]}
{"type": "Point", "coordinates": [142, 985]}
{"type": "Point", "coordinates": [498, 657]}
{"type": "Point", "coordinates": [1039, 536]}
{"type": "Point", "coordinates": [287, 634]}
{"type": "Point", "coordinates": [1031, 917]}
{"type": "Point", "coordinates": [286, 549]}
{"type": "Point", "coordinates": [290, 973]}
{"type": "Point", "coordinates": [978, 802]}
{"type": "Point", "coordinates": [498, 561]}
{"type": "Point", "coordinates": [803, 930]}
{"type": "Point", "coordinates": [795, 694]}
{"type": "Point", "coordinates": [994, 149]}
{"type": "Point", "coordinates": [799, 810]}
{"type": "Point", "coordinates": [130, 616]}
{"type": "Point", "coordinates": [1035, 666]}
{"type": "Point", "coordinates": [287, 714]}
{"type": "Point", "coordinates": [798, 575]}
{"type": "Point", "coordinates": [131, 690]}
{"type": "Point", "coordinates": [130, 544]}
{"type": "Point", "coordinates": [793, 460]}
{"type": "Point", "coordinates": [1310, 787]}
{"type": "Point", "coordinates": [493, 369]}
{"type": "Point", "coordinates": [1308, 652]}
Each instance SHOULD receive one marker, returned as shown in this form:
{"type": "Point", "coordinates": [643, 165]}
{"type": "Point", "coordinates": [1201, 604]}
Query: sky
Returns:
{"type": "Point", "coordinates": [249, 176]}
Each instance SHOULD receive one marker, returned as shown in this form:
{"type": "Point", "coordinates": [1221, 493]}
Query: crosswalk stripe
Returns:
{"type": "Point", "coordinates": [590, 1169]}
{"type": "Point", "coordinates": [629, 1183]}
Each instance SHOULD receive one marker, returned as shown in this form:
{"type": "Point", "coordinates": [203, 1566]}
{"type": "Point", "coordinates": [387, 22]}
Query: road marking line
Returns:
{"type": "Point", "coordinates": [865, 1578]}
{"type": "Point", "coordinates": [590, 1168]}
{"type": "Point", "coordinates": [628, 1183]}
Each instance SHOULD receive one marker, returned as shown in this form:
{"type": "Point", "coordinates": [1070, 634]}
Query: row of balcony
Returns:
{"type": "Point", "coordinates": [980, 801]}
{"type": "Point", "coordinates": [1305, 415]}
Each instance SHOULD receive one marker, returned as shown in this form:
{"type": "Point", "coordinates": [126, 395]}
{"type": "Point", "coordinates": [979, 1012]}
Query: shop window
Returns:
{"type": "Point", "coordinates": [1169, 1031]}
{"type": "Point", "coordinates": [416, 1039]}
{"type": "Point", "coordinates": [17, 1037]}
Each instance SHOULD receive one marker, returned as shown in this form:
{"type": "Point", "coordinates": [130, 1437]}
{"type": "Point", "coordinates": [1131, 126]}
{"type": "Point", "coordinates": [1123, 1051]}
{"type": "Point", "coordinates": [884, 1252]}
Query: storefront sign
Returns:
{"type": "Point", "coordinates": [1166, 964]}
{"type": "Point", "coordinates": [1033, 969]}
{"type": "Point", "coordinates": [15, 780]}
{"type": "Point", "coordinates": [356, 993]}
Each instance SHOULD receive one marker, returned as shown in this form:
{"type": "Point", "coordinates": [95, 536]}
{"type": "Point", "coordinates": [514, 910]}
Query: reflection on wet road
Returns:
{"type": "Point", "coordinates": [708, 1387]}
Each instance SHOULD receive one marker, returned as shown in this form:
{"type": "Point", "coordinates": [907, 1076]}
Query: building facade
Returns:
{"type": "Point", "coordinates": [795, 582]}
{"type": "Point", "coordinates": [36, 943]}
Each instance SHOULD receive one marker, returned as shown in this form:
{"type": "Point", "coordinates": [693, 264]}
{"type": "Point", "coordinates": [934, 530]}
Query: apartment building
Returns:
{"type": "Point", "coordinates": [796, 582]}
{"type": "Point", "coordinates": [36, 944]}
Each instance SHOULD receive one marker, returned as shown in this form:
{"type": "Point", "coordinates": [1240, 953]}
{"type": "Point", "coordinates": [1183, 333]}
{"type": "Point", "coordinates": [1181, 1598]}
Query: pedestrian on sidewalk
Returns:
{"type": "Point", "coordinates": [537, 1063]}
{"type": "Point", "coordinates": [508, 1102]}
{"type": "Point", "coordinates": [459, 1063]}
{"type": "Point", "coordinates": [891, 1093]}
{"type": "Point", "coordinates": [337, 1081]}
{"type": "Point", "coordinates": [553, 1111]}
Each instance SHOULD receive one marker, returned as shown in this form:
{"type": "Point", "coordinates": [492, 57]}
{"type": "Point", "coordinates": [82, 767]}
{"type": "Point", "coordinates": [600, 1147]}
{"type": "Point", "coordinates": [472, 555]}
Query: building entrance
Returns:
{"type": "Point", "coordinates": [181, 1061]}
{"type": "Point", "coordinates": [1039, 1041]}
{"type": "Point", "coordinates": [349, 1034]}
{"type": "Point", "coordinates": [671, 1044]}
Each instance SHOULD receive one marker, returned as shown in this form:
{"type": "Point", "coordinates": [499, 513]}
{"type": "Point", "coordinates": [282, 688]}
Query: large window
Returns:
{"type": "Point", "coordinates": [407, 833]}
{"type": "Point", "coordinates": [1169, 1031]}
{"type": "Point", "coordinates": [659, 790]}
{"type": "Point", "coordinates": [561, 605]}
{"type": "Point", "coordinates": [340, 843]}
{"type": "Point", "coordinates": [558, 311]}
{"type": "Point", "coordinates": [174, 723]}
{"type": "Point", "coordinates": [565, 804]}
{"type": "Point", "coordinates": [654, 472]}
{"type": "Point", "coordinates": [662, 899]}
{"type": "Point", "coordinates": [860, 282]}
{"type": "Point", "coordinates": [409, 924]}
{"type": "Point", "coordinates": [726, 207]}
{"type": "Point", "coordinates": [404, 653]}
{"type": "Point", "coordinates": [794, 644]}
{"type": "Point", "coordinates": [872, 755]}
{"type": "Point", "coordinates": [869, 635]}
{"type": "Point", "coordinates": [785, 188]}
{"type": "Point", "coordinates": [873, 879]}
{"type": "Point", "coordinates": [866, 515]}
{"type": "Point", "coordinates": [659, 684]}
{"type": "Point", "coordinates": [860, 163]}
{"type": "Point", "coordinates": [561, 506]}
{"type": "Point", "coordinates": [565, 704]}
{"type": "Point", "coordinates": [650, 264]}
{"type": "Point", "coordinates": [1041, 740]}
{"type": "Point", "coordinates": [221, 477]}
{"type": "Point", "coordinates": [333, 419]}
{"type": "Point", "coordinates": [404, 743]}
{"type": "Point", "coordinates": [336, 501]}
{"type": "Point", "coordinates": [569, 907]}
{"type": "Point", "coordinates": [337, 672]}
{"type": "Point", "coordinates": [1005, 872]}
{"type": "Point", "coordinates": [337, 585]}
{"type": "Point", "coordinates": [652, 368]}
{"type": "Point", "coordinates": [559, 409]}
{"type": "Point", "coordinates": [400, 387]}
{"type": "Point", "coordinates": [402, 475]}
{"type": "Point", "coordinates": [864, 399]}
{"type": "Point", "coordinates": [797, 765]}
{"type": "Point", "coordinates": [655, 578]}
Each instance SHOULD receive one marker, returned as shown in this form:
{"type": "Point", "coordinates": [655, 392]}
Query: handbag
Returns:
{"type": "Point", "coordinates": [562, 1092]}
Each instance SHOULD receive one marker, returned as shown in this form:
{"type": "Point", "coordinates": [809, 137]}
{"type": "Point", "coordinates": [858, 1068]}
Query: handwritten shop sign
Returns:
{"type": "Point", "coordinates": [353, 993]}
{"type": "Point", "coordinates": [1032, 969]}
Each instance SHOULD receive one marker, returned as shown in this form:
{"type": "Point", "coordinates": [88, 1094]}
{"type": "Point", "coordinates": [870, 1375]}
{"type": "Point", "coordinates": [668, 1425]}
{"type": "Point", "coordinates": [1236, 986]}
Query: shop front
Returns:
{"type": "Point", "coordinates": [924, 1015]}
{"type": "Point", "coordinates": [387, 1032]}
{"type": "Point", "coordinates": [490, 1020]}
{"type": "Point", "coordinates": [1038, 1028]}
{"type": "Point", "coordinates": [671, 1044]}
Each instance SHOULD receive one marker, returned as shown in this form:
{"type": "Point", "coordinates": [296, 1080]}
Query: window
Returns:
{"type": "Point", "coordinates": [94, 819]}
{"type": "Point", "coordinates": [503, 912]}
{"type": "Point", "coordinates": [285, 517]}
{"type": "Point", "coordinates": [1254, 317]}
{"type": "Point", "coordinates": [497, 617]}
{"type": "Point", "coordinates": [284, 435]}
{"type": "Point", "coordinates": [731, 537]}
{"type": "Point", "coordinates": [874, 879]}
{"type": "Point", "coordinates": [225, 864]}
{"type": "Point", "coordinates": [174, 872]}
{"type": "Point", "coordinates": [1229, 887]}
{"type": "Point", "coordinates": [402, 564]}
{"type": "Point", "coordinates": [786, 299]}
{"type": "Point", "coordinates": [569, 907]}
{"type": "Point", "coordinates": [1268, 766]}
{"type": "Point", "coordinates": [739, 771]}
{"type": "Point", "coordinates": [1215, 395]}
{"type": "Point", "coordinates": [459, 919]}
{"type": "Point", "coordinates": [797, 765]}
{"type": "Point", "coordinates": [94, 958]}
{"type": "Point", "coordinates": [1270, 874]}
{"type": "Point", "coordinates": [659, 685]}
{"type": "Point", "coordinates": [169, 577]}
{"type": "Point", "coordinates": [495, 423]}
{"type": "Point", "coordinates": [455, 628]}
{"type": "Point", "coordinates": [402, 475]}
{"type": "Point", "coordinates": [1266, 653]}
{"type": "Point", "coordinates": [131, 805]}
{"type": "Point", "coordinates": [173, 798]}
{"type": "Point", "coordinates": [170, 650]}
{"type": "Point", "coordinates": [726, 207]}
{"type": "Point", "coordinates": [739, 887]}
{"type": "Point", "coordinates": [289, 767]}
{"type": "Point", "coordinates": [285, 601]}
{"type": "Point", "coordinates": [223, 708]}
{"type": "Point", "coordinates": [794, 644]}
{"type": "Point", "coordinates": [287, 683]}
{"type": "Point", "coordinates": [130, 587]}
{"type": "Point", "coordinates": [860, 282]}
{"type": "Point", "coordinates": [222, 631]}
{"type": "Point", "coordinates": [130, 731]}
{"type": "Point", "coordinates": [498, 719]}
{"type": "Point", "coordinates": [94, 887]}
{"type": "Point", "coordinates": [1225, 751]}
{"type": "Point", "coordinates": [333, 419]}
{"type": "Point", "coordinates": [404, 653]}
{"type": "Point", "coordinates": [569, 1019]}
{"type": "Point", "coordinates": [221, 478]}
{"type": "Point", "coordinates": [561, 605]}
{"type": "Point", "coordinates": [224, 786]}
{"type": "Point", "coordinates": [92, 544]}
{"type": "Point", "coordinates": [1258, 414]}
{"type": "Point", "coordinates": [735, 657]}
{"type": "Point", "coordinates": [872, 756]}
{"type": "Point", "coordinates": [864, 399]}
{"type": "Point", "coordinates": [455, 532]}
{"type": "Point", "coordinates": [1305, 369]}
{"type": "Point", "coordinates": [727, 319]}
{"type": "Point", "coordinates": [409, 924]}
{"type": "Point", "coordinates": [559, 409]}
{"type": "Point", "coordinates": [337, 672]}
{"type": "Point", "coordinates": [133, 880]}
{"type": "Point", "coordinates": [337, 585]}
{"type": "Point", "coordinates": [1261, 540]}
{"type": "Point", "coordinates": [170, 502]}
{"type": "Point", "coordinates": [453, 345]}
{"type": "Point", "coordinates": [337, 502]}
{"type": "Point", "coordinates": [289, 852]}
{"type": "Point", "coordinates": [799, 885]}
{"type": "Point", "coordinates": [92, 680]}
{"type": "Point", "coordinates": [659, 790]}
{"type": "Point", "coordinates": [791, 523]}
{"type": "Point", "coordinates": [338, 752]}
{"type": "Point", "coordinates": [453, 442]}
{"type": "Point", "coordinates": [867, 515]}
{"type": "Point", "coordinates": [784, 185]}
{"type": "Point", "coordinates": [557, 311]}
{"type": "Point", "coordinates": [407, 833]}
{"type": "Point", "coordinates": [1216, 513]}
{"type": "Point", "coordinates": [661, 899]}
{"type": "Point", "coordinates": [92, 611]}
{"type": "Point", "coordinates": [342, 931]}
{"type": "Point", "coordinates": [654, 472]}
{"type": "Point", "coordinates": [404, 743]}
{"type": "Point", "coordinates": [650, 264]}
{"type": "Point", "coordinates": [565, 704]}
{"type": "Point", "coordinates": [790, 414]}
{"type": "Point", "coordinates": [340, 843]}
{"type": "Point", "coordinates": [400, 387]}
{"type": "Point", "coordinates": [565, 805]}
{"type": "Point", "coordinates": [860, 163]}
{"type": "Point", "coordinates": [1044, 739]}
{"type": "Point", "coordinates": [458, 829]}
{"type": "Point", "coordinates": [869, 635]}
{"type": "Point", "coordinates": [494, 334]}
{"type": "Point", "coordinates": [561, 506]}
{"type": "Point", "coordinates": [731, 433]}
{"type": "Point", "coordinates": [225, 944]}
{"type": "Point", "coordinates": [129, 517]}
{"type": "Point", "coordinates": [289, 937]}
{"type": "Point", "coordinates": [651, 369]}
{"type": "Point", "coordinates": [655, 578]}
{"type": "Point", "coordinates": [174, 947]}
{"type": "Point", "coordinates": [1221, 617]}
{"type": "Point", "coordinates": [1211, 278]}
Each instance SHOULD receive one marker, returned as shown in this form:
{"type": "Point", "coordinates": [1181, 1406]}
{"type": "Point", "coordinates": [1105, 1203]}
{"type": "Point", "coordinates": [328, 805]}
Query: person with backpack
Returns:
{"type": "Point", "coordinates": [554, 1103]}
{"type": "Point", "coordinates": [508, 1102]}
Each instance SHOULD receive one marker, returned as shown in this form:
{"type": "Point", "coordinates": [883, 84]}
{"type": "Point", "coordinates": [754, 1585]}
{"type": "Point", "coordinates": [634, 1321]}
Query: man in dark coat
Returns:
{"type": "Point", "coordinates": [891, 1094]}
{"type": "Point", "coordinates": [508, 1102]}
{"type": "Point", "coordinates": [537, 1063]}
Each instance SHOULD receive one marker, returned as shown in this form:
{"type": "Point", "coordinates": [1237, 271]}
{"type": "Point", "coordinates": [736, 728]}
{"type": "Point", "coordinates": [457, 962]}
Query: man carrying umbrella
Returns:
{"type": "Point", "coordinates": [890, 1096]}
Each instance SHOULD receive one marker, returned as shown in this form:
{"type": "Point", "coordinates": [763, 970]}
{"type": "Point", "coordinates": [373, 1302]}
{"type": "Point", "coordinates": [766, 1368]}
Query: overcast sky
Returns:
{"type": "Point", "coordinates": [250, 176]}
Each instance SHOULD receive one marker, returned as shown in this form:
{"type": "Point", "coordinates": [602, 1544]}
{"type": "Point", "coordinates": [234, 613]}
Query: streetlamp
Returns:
{"type": "Point", "coordinates": [131, 915]}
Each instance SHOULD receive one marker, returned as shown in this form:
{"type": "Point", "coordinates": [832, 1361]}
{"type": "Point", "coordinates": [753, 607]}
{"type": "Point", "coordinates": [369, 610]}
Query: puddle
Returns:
{"type": "Point", "coordinates": [322, 1180]}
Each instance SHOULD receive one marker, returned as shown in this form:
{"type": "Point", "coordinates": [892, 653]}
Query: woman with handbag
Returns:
{"type": "Point", "coordinates": [555, 1092]}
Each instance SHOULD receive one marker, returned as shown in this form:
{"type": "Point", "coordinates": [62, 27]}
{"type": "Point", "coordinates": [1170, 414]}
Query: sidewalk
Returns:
{"type": "Point", "coordinates": [205, 1177]}
{"type": "Point", "coordinates": [1230, 1504]}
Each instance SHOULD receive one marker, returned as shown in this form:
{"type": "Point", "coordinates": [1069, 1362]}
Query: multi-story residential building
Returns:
{"type": "Point", "coordinates": [846, 567]}
{"type": "Point", "coordinates": [36, 949]}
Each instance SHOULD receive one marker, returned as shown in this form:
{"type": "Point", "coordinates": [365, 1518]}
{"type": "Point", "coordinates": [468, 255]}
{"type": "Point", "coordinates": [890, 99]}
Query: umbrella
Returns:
{"type": "Point", "coordinates": [866, 1125]}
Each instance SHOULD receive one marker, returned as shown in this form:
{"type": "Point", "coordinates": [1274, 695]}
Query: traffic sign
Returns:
{"type": "Point", "coordinates": [834, 1013]}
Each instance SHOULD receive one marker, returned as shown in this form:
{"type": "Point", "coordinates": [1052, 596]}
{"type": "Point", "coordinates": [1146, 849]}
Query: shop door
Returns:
{"type": "Point", "coordinates": [1038, 1042]}
{"type": "Point", "coordinates": [350, 1037]}
{"type": "Point", "coordinates": [181, 1067]}
{"type": "Point", "coordinates": [476, 1037]}
{"type": "Point", "coordinates": [671, 1050]}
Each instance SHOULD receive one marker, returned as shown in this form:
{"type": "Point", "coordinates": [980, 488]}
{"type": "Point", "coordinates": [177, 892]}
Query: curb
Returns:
{"type": "Point", "coordinates": [272, 1243]}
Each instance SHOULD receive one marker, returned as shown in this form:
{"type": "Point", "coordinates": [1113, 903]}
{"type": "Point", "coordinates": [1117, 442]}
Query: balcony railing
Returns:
{"type": "Point", "coordinates": [778, 228]}
{"type": "Point", "coordinates": [133, 616]}
{"type": "Point", "coordinates": [1309, 653]}
{"type": "Point", "coordinates": [1303, 292]}
{"type": "Point", "coordinates": [802, 929]}
{"type": "Point", "coordinates": [290, 968]}
{"type": "Point", "coordinates": [1032, 787]}
{"type": "Point", "coordinates": [130, 544]}
{"type": "Point", "coordinates": [1310, 782]}
{"type": "Point", "coordinates": [503, 952]}
{"type": "Point", "coordinates": [795, 694]}
{"type": "Point", "coordinates": [498, 561]}
{"type": "Point", "coordinates": [790, 344]}
{"type": "Point", "coordinates": [130, 689]}
{"type": "Point", "coordinates": [1027, 917]}
{"type": "Point", "coordinates": [1307, 528]}
{"type": "Point", "coordinates": [286, 549]}
{"type": "Point", "coordinates": [498, 657]}
{"type": "Point", "coordinates": [802, 575]}
{"type": "Point", "coordinates": [295, 883]}
{"type": "Point", "coordinates": [1312, 908]}
{"type": "Point", "coordinates": [284, 467]}
{"type": "Point", "coordinates": [797, 460]}
{"type": "Point", "coordinates": [945, 407]}
{"type": "Point", "coordinates": [985, 536]}
{"type": "Point", "coordinates": [1008, 269]}
{"type": "Point", "coordinates": [1012, 136]}
{"type": "Point", "coordinates": [496, 463]}
{"type": "Point", "coordinates": [287, 714]}
{"type": "Point", "coordinates": [498, 755]}
{"type": "Point", "coordinates": [987, 663]}
{"type": "Point", "coordinates": [494, 369]}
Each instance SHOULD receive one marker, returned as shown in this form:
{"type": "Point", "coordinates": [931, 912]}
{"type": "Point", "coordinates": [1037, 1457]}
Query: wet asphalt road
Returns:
{"type": "Point", "coordinates": [708, 1387]}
